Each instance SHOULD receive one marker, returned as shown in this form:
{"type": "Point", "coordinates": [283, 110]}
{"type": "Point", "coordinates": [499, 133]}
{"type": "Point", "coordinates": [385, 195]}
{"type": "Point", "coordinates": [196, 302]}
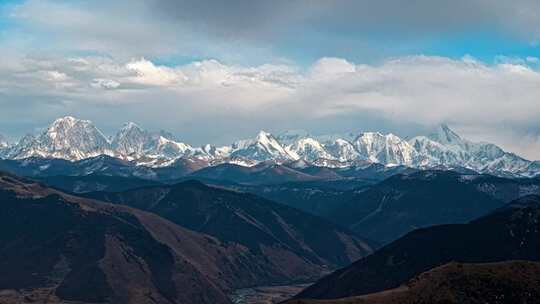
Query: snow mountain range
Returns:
{"type": "Point", "coordinates": [74, 139]}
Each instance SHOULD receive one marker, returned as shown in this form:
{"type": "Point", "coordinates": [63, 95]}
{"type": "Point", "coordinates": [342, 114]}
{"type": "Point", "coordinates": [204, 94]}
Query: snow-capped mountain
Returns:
{"type": "Point", "coordinates": [342, 150]}
{"type": "Point", "coordinates": [308, 149]}
{"type": "Point", "coordinates": [134, 142]}
{"type": "Point", "coordinates": [447, 148]}
{"type": "Point", "coordinates": [385, 149]}
{"type": "Point", "coordinates": [74, 139]}
{"type": "Point", "coordinates": [130, 140]}
{"type": "Point", "coordinates": [66, 138]}
{"type": "Point", "coordinates": [264, 147]}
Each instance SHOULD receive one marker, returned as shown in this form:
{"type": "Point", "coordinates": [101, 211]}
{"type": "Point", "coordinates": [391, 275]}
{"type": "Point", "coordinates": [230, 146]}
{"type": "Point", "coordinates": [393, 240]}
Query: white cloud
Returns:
{"type": "Point", "coordinates": [57, 76]}
{"type": "Point", "coordinates": [107, 84]}
{"type": "Point", "coordinates": [330, 67]}
{"type": "Point", "coordinates": [479, 99]}
{"type": "Point", "coordinates": [147, 73]}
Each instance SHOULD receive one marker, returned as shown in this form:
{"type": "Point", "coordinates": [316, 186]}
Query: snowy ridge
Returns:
{"type": "Point", "coordinates": [264, 147]}
{"type": "Point", "coordinates": [73, 139]}
{"type": "Point", "coordinates": [308, 149]}
{"type": "Point", "coordinates": [3, 142]}
{"type": "Point", "coordinates": [385, 149]}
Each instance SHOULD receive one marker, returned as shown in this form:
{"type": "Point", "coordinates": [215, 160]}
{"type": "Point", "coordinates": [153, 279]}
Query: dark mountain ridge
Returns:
{"type": "Point", "coordinates": [56, 248]}
{"type": "Point", "coordinates": [509, 233]}
{"type": "Point", "coordinates": [514, 282]}
{"type": "Point", "coordinates": [404, 202]}
{"type": "Point", "coordinates": [266, 228]}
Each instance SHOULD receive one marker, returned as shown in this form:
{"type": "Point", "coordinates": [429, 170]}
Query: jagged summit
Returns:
{"type": "Point", "coordinates": [445, 135]}
{"type": "Point", "coordinates": [70, 120]}
{"type": "Point", "coordinates": [130, 139]}
{"type": "Point", "coordinates": [263, 136]}
{"type": "Point", "coordinates": [67, 138]}
{"type": "Point", "coordinates": [264, 147]}
{"type": "Point", "coordinates": [75, 139]}
{"type": "Point", "coordinates": [130, 125]}
{"type": "Point", "coordinates": [387, 149]}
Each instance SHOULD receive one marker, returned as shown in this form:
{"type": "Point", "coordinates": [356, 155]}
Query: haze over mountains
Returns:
{"type": "Point", "coordinates": [74, 139]}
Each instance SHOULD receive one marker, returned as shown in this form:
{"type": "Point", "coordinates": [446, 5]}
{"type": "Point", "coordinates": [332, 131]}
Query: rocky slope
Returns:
{"type": "Point", "coordinates": [404, 202]}
{"type": "Point", "coordinates": [458, 283]}
{"type": "Point", "coordinates": [288, 238]}
{"type": "Point", "coordinates": [510, 233]}
{"type": "Point", "coordinates": [56, 248]}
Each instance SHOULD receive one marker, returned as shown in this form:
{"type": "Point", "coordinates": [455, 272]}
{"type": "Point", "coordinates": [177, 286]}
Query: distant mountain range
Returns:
{"type": "Point", "coordinates": [386, 210]}
{"type": "Point", "coordinates": [382, 208]}
{"type": "Point", "coordinates": [74, 139]}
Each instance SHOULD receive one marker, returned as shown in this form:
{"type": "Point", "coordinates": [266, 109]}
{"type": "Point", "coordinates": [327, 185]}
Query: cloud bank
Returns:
{"type": "Point", "coordinates": [325, 66]}
{"type": "Point", "coordinates": [208, 100]}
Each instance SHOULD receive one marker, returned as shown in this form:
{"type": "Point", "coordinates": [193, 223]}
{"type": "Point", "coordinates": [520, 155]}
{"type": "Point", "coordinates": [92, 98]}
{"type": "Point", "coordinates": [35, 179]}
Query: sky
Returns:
{"type": "Point", "coordinates": [216, 71]}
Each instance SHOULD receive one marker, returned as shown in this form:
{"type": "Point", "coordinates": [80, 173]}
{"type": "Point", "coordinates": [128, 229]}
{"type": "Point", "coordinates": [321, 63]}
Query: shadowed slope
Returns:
{"type": "Point", "coordinates": [512, 232]}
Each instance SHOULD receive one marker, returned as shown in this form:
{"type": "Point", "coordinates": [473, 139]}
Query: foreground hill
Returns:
{"type": "Point", "coordinates": [59, 248]}
{"type": "Point", "coordinates": [456, 283]}
{"type": "Point", "coordinates": [55, 247]}
{"type": "Point", "coordinates": [288, 238]}
{"type": "Point", "coordinates": [510, 233]}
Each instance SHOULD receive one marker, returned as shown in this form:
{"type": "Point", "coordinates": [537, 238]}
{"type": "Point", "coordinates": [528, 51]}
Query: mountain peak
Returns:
{"type": "Point", "coordinates": [266, 138]}
{"type": "Point", "coordinates": [130, 125]}
{"type": "Point", "coordinates": [370, 135]}
{"type": "Point", "coordinates": [130, 139]}
{"type": "Point", "coordinates": [263, 134]}
{"type": "Point", "coordinates": [67, 118]}
{"type": "Point", "coordinates": [66, 122]}
{"type": "Point", "coordinates": [264, 147]}
{"type": "Point", "coordinates": [67, 138]}
{"type": "Point", "coordinates": [64, 125]}
{"type": "Point", "coordinates": [445, 135]}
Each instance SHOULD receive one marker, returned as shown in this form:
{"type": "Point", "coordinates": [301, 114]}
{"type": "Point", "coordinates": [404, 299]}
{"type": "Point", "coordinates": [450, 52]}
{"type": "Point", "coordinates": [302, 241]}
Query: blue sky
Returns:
{"type": "Point", "coordinates": [302, 37]}
{"type": "Point", "coordinates": [212, 71]}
